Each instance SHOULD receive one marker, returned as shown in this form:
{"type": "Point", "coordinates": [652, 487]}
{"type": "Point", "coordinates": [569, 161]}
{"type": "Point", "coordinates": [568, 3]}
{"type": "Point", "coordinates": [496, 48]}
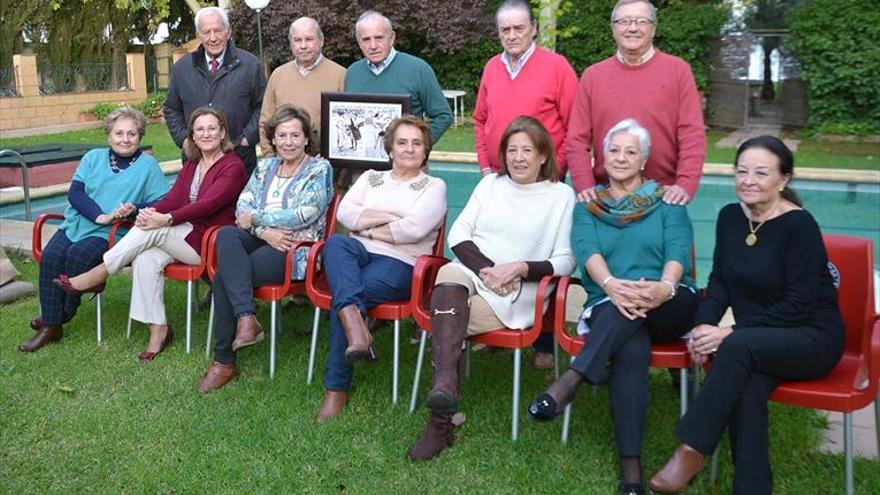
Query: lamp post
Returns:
{"type": "Point", "coordinates": [259, 5]}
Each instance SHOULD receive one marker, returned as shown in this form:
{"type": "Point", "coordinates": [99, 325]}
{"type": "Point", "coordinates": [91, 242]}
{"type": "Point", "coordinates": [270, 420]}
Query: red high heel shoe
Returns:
{"type": "Point", "coordinates": [149, 356]}
{"type": "Point", "coordinates": [63, 283]}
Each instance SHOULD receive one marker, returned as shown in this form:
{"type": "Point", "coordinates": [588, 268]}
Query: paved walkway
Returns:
{"type": "Point", "coordinates": [15, 236]}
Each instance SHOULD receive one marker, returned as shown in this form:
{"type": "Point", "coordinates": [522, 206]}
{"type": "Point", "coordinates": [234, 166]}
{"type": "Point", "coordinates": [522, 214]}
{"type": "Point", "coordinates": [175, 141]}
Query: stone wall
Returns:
{"type": "Point", "coordinates": [31, 109]}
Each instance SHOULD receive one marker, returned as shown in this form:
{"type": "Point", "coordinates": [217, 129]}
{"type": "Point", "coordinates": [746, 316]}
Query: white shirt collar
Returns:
{"type": "Point", "coordinates": [644, 58]}
{"type": "Point", "coordinates": [381, 66]}
{"type": "Point", "coordinates": [514, 68]}
{"type": "Point", "coordinates": [304, 71]}
{"type": "Point", "coordinates": [219, 59]}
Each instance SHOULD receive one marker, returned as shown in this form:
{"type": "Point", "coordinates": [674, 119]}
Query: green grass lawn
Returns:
{"type": "Point", "coordinates": [83, 417]}
{"type": "Point", "coordinates": [812, 153]}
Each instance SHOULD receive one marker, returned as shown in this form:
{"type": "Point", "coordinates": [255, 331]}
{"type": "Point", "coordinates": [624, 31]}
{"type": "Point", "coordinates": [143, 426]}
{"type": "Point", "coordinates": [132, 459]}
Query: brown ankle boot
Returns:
{"type": "Point", "coordinates": [449, 321]}
{"type": "Point", "coordinates": [48, 333]}
{"type": "Point", "coordinates": [356, 332]}
{"type": "Point", "coordinates": [216, 377]}
{"type": "Point", "coordinates": [678, 472]}
{"type": "Point", "coordinates": [437, 436]}
{"type": "Point", "coordinates": [332, 405]}
{"type": "Point", "coordinates": [248, 331]}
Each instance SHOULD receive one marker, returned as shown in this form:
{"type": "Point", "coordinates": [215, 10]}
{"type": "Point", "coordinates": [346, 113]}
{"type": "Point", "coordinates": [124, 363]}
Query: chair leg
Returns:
{"type": "Point", "coordinates": [877, 421]}
{"type": "Point", "coordinates": [848, 452]}
{"type": "Point", "coordinates": [713, 469]}
{"type": "Point", "coordinates": [467, 359]}
{"type": "Point", "coordinates": [514, 422]}
{"type": "Point", "coordinates": [98, 306]}
{"type": "Point", "coordinates": [210, 330]}
{"type": "Point", "coordinates": [274, 319]}
{"type": "Point", "coordinates": [314, 346]}
{"type": "Point", "coordinates": [683, 390]}
{"type": "Point", "coordinates": [189, 307]}
{"type": "Point", "coordinates": [566, 419]}
{"type": "Point", "coordinates": [128, 329]}
{"type": "Point", "coordinates": [418, 375]}
{"type": "Point", "coordinates": [396, 361]}
{"type": "Point", "coordinates": [555, 357]}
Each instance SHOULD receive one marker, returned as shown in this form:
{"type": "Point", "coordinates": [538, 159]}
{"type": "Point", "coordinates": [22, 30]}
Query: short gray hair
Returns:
{"type": "Point", "coordinates": [621, 3]}
{"type": "Point", "coordinates": [632, 127]}
{"type": "Point", "coordinates": [125, 112]}
{"type": "Point", "coordinates": [515, 5]}
{"type": "Point", "coordinates": [306, 18]}
{"type": "Point", "coordinates": [371, 14]}
{"type": "Point", "coordinates": [212, 11]}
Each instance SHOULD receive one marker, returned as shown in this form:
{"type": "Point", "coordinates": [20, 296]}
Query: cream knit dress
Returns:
{"type": "Point", "coordinates": [514, 222]}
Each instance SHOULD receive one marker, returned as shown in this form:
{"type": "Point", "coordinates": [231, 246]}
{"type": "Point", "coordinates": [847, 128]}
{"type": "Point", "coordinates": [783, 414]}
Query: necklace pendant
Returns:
{"type": "Point", "coordinates": [751, 239]}
{"type": "Point", "coordinates": [277, 192]}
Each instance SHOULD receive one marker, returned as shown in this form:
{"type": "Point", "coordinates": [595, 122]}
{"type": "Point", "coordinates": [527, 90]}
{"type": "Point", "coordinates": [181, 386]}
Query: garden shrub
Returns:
{"type": "Point", "coordinates": [839, 62]}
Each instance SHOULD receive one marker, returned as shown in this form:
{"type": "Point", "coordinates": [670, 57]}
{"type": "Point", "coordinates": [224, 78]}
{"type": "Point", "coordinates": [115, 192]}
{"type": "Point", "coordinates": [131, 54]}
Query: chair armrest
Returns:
{"type": "Point", "coordinates": [37, 234]}
{"type": "Point", "coordinates": [874, 356]}
{"type": "Point", "coordinates": [545, 291]}
{"type": "Point", "coordinates": [312, 271]}
{"type": "Point", "coordinates": [424, 276]}
{"type": "Point", "coordinates": [118, 224]}
{"type": "Point", "coordinates": [559, 306]}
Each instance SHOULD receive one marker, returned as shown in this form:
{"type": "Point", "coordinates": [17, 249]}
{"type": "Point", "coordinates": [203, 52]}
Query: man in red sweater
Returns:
{"type": "Point", "coordinates": [656, 89]}
{"type": "Point", "coordinates": [522, 80]}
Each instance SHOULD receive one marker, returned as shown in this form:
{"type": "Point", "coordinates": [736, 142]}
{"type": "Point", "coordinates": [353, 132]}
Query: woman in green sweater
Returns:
{"type": "Point", "coordinates": [634, 253]}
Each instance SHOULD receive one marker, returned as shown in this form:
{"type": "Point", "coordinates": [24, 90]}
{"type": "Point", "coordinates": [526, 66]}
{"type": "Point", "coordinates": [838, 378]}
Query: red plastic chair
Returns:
{"type": "Point", "coordinates": [320, 295]}
{"type": "Point", "coordinates": [425, 274]}
{"type": "Point", "coordinates": [183, 273]}
{"type": "Point", "coordinates": [275, 292]}
{"type": "Point", "coordinates": [853, 383]}
{"type": "Point", "coordinates": [37, 250]}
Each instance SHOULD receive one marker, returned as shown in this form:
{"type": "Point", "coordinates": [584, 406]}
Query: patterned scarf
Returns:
{"type": "Point", "coordinates": [628, 209]}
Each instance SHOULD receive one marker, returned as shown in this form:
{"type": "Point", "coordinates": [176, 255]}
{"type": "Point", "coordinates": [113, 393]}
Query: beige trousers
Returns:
{"type": "Point", "coordinates": [482, 317]}
{"type": "Point", "coordinates": [149, 252]}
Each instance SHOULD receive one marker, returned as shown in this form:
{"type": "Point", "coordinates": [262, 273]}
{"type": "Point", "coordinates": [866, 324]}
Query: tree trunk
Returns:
{"type": "Point", "coordinates": [547, 17]}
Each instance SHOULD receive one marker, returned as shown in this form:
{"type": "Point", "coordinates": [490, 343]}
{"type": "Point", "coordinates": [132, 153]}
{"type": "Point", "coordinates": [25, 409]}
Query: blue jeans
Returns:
{"type": "Point", "coordinates": [358, 277]}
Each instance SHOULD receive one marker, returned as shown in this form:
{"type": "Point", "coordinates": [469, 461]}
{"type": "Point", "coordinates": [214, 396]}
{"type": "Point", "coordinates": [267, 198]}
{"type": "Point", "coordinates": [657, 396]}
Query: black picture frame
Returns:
{"type": "Point", "coordinates": [353, 125]}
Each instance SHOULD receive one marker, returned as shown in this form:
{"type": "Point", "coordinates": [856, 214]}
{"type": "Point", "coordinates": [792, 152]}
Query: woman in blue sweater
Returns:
{"type": "Point", "coordinates": [109, 183]}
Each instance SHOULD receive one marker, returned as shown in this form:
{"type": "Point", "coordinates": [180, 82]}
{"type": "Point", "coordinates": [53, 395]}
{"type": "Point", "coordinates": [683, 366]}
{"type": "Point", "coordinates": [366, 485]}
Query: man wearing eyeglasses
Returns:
{"type": "Point", "coordinates": [218, 75]}
{"type": "Point", "coordinates": [656, 89]}
{"type": "Point", "coordinates": [524, 79]}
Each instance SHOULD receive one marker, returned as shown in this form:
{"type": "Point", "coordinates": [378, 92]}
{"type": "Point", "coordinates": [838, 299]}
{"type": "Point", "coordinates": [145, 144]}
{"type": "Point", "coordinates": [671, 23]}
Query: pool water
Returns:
{"type": "Point", "coordinates": [839, 207]}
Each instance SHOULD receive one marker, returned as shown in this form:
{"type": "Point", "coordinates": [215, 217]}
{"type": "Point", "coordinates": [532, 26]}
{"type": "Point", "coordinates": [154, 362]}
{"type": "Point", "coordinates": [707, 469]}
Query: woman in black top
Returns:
{"type": "Point", "coordinates": [771, 267]}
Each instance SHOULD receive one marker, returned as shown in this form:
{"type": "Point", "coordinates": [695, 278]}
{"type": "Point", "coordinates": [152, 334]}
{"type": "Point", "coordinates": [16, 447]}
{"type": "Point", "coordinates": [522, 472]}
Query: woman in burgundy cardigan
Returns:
{"type": "Point", "coordinates": [203, 195]}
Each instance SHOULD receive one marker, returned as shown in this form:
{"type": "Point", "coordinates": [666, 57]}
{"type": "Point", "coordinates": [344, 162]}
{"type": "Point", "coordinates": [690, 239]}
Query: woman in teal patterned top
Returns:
{"type": "Point", "coordinates": [284, 202]}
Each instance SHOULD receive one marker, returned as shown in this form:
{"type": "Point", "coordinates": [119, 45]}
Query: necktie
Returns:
{"type": "Point", "coordinates": [214, 65]}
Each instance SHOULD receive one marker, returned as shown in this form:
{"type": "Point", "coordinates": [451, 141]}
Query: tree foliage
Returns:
{"type": "Point", "coordinates": [839, 64]}
{"type": "Point", "coordinates": [433, 27]}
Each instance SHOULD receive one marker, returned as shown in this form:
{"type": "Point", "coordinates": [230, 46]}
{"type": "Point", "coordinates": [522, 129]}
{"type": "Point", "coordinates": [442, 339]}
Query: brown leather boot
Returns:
{"type": "Point", "coordinates": [437, 436]}
{"type": "Point", "coordinates": [332, 405]}
{"type": "Point", "coordinates": [248, 331]}
{"type": "Point", "coordinates": [216, 377]}
{"type": "Point", "coordinates": [449, 321]}
{"type": "Point", "coordinates": [679, 470]}
{"type": "Point", "coordinates": [46, 334]}
{"type": "Point", "coordinates": [356, 332]}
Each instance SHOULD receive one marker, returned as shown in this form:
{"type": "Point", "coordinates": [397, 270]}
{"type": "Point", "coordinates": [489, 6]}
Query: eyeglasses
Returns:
{"type": "Point", "coordinates": [638, 21]}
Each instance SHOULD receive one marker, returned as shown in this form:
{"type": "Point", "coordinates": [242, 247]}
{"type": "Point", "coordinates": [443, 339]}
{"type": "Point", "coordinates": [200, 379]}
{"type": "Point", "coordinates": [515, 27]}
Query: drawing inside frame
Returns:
{"type": "Point", "coordinates": [353, 127]}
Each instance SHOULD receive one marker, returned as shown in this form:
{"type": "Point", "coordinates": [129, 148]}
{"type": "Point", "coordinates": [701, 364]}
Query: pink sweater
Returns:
{"type": "Point", "coordinates": [662, 96]}
{"type": "Point", "coordinates": [419, 203]}
{"type": "Point", "coordinates": [544, 89]}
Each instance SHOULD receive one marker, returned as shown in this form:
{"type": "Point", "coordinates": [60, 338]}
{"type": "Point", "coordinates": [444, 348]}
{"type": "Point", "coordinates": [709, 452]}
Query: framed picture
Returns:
{"type": "Point", "coordinates": [353, 127]}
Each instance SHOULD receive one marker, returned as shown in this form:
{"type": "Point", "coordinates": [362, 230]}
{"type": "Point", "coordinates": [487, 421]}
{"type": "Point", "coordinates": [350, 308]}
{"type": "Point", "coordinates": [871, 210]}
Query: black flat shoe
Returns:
{"type": "Point", "coordinates": [631, 489]}
{"type": "Point", "coordinates": [544, 408]}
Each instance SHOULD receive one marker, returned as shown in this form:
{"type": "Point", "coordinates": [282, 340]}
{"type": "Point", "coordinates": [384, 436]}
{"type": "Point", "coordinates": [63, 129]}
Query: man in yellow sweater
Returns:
{"type": "Point", "coordinates": [301, 81]}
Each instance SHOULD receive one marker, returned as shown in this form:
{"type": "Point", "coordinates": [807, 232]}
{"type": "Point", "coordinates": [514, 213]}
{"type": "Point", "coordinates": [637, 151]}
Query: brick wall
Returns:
{"type": "Point", "coordinates": [31, 109]}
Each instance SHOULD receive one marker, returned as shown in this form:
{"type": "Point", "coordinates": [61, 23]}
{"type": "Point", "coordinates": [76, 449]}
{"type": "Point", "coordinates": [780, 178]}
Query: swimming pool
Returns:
{"type": "Point", "coordinates": [840, 207]}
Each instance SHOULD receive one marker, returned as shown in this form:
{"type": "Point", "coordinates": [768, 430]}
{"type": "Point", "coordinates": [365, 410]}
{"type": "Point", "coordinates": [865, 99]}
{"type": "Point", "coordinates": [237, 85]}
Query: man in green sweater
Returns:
{"type": "Point", "coordinates": [386, 70]}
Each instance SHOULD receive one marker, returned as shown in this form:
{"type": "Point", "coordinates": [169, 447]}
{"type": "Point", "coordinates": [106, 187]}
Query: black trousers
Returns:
{"type": "Point", "coordinates": [626, 344]}
{"type": "Point", "coordinates": [243, 262]}
{"type": "Point", "coordinates": [748, 366]}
